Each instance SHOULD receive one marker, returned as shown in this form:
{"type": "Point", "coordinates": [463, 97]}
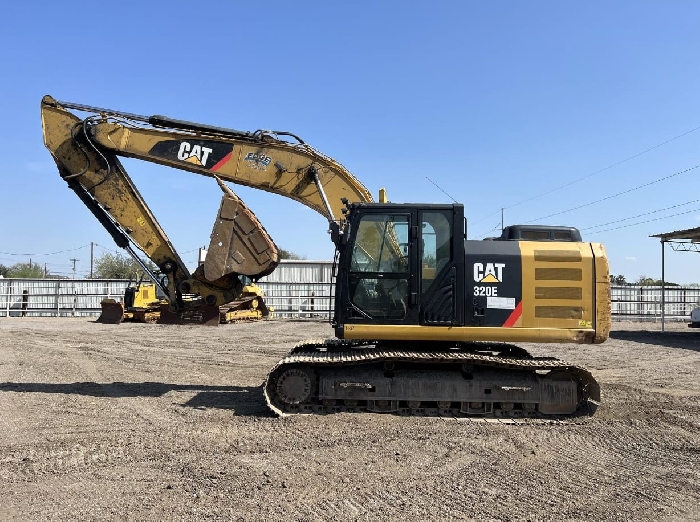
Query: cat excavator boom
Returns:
{"type": "Point", "coordinates": [87, 150]}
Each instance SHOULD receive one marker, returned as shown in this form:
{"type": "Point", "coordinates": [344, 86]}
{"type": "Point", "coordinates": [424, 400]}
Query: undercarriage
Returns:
{"type": "Point", "coordinates": [473, 379]}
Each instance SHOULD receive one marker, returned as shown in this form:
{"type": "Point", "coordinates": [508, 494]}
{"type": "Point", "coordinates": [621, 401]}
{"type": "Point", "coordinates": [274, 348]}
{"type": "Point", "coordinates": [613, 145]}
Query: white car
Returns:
{"type": "Point", "coordinates": [695, 318]}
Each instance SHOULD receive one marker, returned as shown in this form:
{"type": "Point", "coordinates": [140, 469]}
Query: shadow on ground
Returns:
{"type": "Point", "coordinates": [689, 340]}
{"type": "Point", "coordinates": [244, 400]}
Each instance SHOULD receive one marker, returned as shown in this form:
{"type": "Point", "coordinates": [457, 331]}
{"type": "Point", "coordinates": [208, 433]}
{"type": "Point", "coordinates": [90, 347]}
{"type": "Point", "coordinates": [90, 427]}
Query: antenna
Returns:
{"type": "Point", "coordinates": [438, 186]}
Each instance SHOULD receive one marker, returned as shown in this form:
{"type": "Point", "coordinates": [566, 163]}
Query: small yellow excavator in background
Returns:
{"type": "Point", "coordinates": [250, 306]}
{"type": "Point", "coordinates": [140, 305]}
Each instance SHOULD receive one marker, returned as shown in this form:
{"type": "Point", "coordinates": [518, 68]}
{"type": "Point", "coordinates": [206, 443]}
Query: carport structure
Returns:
{"type": "Point", "coordinates": [681, 241]}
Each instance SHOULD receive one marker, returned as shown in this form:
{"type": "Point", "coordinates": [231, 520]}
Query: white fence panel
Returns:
{"type": "Point", "coordinates": [643, 303]}
{"type": "Point", "coordinates": [296, 289]}
{"type": "Point", "coordinates": [56, 297]}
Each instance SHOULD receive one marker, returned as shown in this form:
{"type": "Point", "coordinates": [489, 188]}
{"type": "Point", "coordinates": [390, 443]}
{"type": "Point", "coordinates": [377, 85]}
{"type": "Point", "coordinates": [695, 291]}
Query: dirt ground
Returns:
{"type": "Point", "coordinates": [151, 422]}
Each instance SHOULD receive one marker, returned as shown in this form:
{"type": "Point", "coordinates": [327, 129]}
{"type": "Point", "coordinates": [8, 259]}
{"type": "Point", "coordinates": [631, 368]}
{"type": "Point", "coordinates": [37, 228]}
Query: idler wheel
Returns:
{"type": "Point", "coordinates": [294, 386]}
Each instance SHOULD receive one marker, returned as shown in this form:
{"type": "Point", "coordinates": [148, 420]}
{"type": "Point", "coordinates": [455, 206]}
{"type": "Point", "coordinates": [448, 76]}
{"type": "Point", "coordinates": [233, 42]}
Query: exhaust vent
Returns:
{"type": "Point", "coordinates": [559, 312]}
{"type": "Point", "coordinates": [562, 292]}
{"type": "Point", "coordinates": [558, 256]}
{"type": "Point", "coordinates": [558, 274]}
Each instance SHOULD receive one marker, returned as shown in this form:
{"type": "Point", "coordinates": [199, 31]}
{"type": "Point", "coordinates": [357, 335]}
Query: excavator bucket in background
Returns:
{"type": "Point", "coordinates": [112, 312]}
{"type": "Point", "coordinates": [239, 243]}
{"type": "Point", "coordinates": [205, 315]}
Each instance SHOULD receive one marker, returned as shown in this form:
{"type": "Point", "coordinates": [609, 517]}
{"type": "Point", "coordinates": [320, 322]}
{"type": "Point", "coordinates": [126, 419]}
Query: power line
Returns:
{"type": "Point", "coordinates": [440, 189]}
{"type": "Point", "coordinates": [484, 234]}
{"type": "Point", "coordinates": [46, 254]}
{"type": "Point", "coordinates": [108, 249]}
{"type": "Point", "coordinates": [647, 221]}
{"type": "Point", "coordinates": [593, 173]}
{"type": "Point", "coordinates": [640, 215]}
{"type": "Point", "coordinates": [616, 195]}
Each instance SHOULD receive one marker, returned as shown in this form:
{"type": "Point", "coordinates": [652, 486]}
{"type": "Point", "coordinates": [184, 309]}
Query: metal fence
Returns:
{"type": "Point", "coordinates": [643, 303]}
{"type": "Point", "coordinates": [299, 288]}
{"type": "Point", "coordinates": [299, 300]}
{"type": "Point", "coordinates": [310, 299]}
{"type": "Point", "coordinates": [81, 298]}
{"type": "Point", "coordinates": [56, 297]}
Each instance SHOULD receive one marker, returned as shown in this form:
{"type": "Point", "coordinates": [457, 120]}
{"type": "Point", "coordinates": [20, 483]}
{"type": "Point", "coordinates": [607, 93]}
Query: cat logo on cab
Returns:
{"type": "Point", "coordinates": [488, 272]}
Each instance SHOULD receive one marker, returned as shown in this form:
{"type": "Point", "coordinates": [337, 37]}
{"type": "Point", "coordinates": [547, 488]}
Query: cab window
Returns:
{"type": "Point", "coordinates": [436, 243]}
{"type": "Point", "coordinates": [379, 268]}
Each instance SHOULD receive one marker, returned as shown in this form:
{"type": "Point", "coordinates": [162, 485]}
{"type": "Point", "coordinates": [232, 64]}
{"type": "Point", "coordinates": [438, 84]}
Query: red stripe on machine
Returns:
{"type": "Point", "coordinates": [221, 162]}
{"type": "Point", "coordinates": [513, 317]}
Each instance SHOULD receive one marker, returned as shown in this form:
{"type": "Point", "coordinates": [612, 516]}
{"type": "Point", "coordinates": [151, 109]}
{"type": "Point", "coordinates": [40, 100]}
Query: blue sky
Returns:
{"type": "Point", "coordinates": [495, 102]}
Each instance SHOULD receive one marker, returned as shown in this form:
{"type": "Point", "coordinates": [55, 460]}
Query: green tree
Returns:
{"type": "Point", "coordinates": [4, 271]}
{"type": "Point", "coordinates": [117, 266]}
{"type": "Point", "coordinates": [618, 279]}
{"type": "Point", "coordinates": [650, 281]}
{"type": "Point", "coordinates": [288, 254]}
{"type": "Point", "coordinates": [27, 270]}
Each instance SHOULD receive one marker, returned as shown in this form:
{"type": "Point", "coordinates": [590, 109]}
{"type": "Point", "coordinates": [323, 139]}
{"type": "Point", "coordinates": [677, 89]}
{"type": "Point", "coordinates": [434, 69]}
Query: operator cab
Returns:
{"type": "Point", "coordinates": [401, 264]}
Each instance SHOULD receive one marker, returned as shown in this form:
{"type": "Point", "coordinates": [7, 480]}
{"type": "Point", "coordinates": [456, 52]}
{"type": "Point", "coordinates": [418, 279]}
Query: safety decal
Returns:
{"type": "Point", "coordinates": [503, 303]}
{"type": "Point", "coordinates": [257, 160]}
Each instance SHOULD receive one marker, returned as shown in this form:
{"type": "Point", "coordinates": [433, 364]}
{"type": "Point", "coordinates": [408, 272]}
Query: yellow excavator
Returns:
{"type": "Point", "coordinates": [423, 318]}
{"type": "Point", "coordinates": [140, 304]}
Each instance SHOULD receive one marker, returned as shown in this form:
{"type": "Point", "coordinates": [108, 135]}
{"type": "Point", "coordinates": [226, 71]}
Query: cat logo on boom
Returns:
{"type": "Point", "coordinates": [196, 154]}
{"type": "Point", "coordinates": [488, 272]}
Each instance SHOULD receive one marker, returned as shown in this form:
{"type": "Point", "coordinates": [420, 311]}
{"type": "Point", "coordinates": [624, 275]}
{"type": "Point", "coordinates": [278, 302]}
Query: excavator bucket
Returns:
{"type": "Point", "coordinates": [205, 315]}
{"type": "Point", "coordinates": [112, 312]}
{"type": "Point", "coordinates": [239, 243]}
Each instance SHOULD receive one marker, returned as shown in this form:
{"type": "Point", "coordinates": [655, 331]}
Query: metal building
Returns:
{"type": "Point", "coordinates": [300, 288]}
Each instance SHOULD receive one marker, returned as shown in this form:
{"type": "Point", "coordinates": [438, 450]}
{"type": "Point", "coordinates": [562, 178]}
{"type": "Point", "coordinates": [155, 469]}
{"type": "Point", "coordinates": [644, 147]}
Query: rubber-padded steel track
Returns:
{"type": "Point", "coordinates": [336, 353]}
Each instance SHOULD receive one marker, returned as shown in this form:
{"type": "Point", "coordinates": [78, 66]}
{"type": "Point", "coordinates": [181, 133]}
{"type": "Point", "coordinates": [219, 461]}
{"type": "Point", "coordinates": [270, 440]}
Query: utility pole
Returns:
{"type": "Point", "coordinates": [91, 257]}
{"type": "Point", "coordinates": [74, 261]}
{"type": "Point", "coordinates": [502, 209]}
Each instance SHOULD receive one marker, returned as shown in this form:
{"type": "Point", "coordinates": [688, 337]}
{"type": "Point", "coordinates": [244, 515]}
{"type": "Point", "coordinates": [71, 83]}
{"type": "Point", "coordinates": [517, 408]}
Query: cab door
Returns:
{"type": "Point", "coordinates": [441, 266]}
{"type": "Point", "coordinates": [380, 288]}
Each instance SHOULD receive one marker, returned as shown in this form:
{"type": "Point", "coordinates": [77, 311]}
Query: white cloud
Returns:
{"type": "Point", "coordinates": [631, 259]}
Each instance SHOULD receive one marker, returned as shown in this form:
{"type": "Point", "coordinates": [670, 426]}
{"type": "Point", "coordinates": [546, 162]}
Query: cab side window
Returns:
{"type": "Point", "coordinates": [436, 242]}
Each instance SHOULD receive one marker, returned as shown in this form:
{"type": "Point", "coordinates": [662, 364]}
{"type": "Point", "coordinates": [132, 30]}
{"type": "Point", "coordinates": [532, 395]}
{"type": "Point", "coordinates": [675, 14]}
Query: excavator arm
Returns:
{"type": "Point", "coordinates": [87, 150]}
{"type": "Point", "coordinates": [259, 159]}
